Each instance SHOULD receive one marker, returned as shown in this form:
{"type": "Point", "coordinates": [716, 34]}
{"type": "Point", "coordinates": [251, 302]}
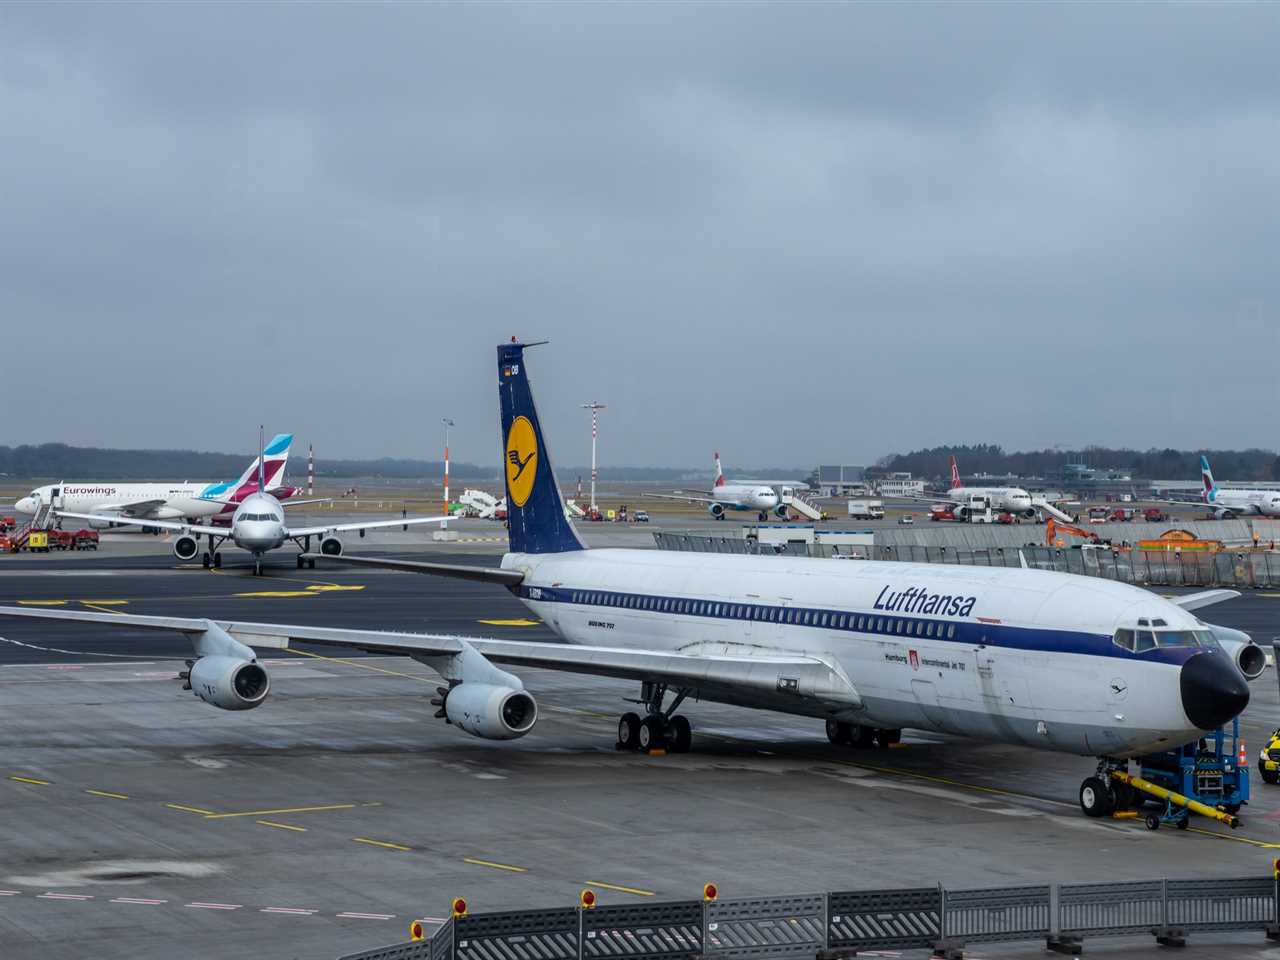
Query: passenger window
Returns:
{"type": "Point", "coordinates": [951, 631]}
{"type": "Point", "coordinates": [1124, 639]}
{"type": "Point", "coordinates": [928, 629]}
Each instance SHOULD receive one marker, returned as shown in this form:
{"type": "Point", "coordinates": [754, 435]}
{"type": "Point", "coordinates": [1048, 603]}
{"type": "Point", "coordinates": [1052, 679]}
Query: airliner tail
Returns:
{"type": "Point", "coordinates": [955, 474]}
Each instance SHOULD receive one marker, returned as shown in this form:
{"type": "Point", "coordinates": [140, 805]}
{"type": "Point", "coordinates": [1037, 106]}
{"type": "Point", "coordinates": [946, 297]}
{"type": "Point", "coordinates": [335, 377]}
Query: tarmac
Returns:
{"type": "Point", "coordinates": [141, 823]}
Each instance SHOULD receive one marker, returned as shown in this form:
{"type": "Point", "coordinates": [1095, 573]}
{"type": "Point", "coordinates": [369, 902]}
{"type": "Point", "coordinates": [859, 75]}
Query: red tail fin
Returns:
{"type": "Point", "coordinates": [955, 474]}
{"type": "Point", "coordinates": [719, 472]}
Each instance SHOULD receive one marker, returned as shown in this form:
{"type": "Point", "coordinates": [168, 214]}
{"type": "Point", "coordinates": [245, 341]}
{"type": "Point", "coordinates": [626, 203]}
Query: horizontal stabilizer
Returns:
{"type": "Point", "coordinates": [1205, 598]}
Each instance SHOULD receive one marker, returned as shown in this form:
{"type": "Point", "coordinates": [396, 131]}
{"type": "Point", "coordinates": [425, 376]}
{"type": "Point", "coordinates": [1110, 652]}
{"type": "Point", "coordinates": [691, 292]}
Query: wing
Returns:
{"type": "Point", "coordinates": [376, 524]}
{"type": "Point", "coordinates": [507, 578]}
{"type": "Point", "coordinates": [720, 671]}
{"type": "Point", "coordinates": [174, 525]}
{"type": "Point", "coordinates": [682, 499]}
{"type": "Point", "coordinates": [1205, 598]}
{"type": "Point", "coordinates": [135, 508]}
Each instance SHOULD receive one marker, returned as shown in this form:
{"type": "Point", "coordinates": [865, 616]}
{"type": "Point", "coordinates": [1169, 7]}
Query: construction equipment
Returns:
{"type": "Point", "coordinates": [1052, 528]}
{"type": "Point", "coordinates": [1209, 777]}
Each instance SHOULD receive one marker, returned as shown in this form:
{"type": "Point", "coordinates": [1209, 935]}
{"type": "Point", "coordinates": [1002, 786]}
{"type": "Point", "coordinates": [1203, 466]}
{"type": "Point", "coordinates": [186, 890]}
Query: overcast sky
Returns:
{"type": "Point", "coordinates": [793, 233]}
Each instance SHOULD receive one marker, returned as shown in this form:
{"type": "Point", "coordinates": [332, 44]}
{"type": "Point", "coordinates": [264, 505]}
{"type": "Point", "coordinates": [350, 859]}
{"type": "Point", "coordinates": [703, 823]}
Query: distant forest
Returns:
{"type": "Point", "coordinates": [58, 461]}
{"type": "Point", "coordinates": [1164, 464]}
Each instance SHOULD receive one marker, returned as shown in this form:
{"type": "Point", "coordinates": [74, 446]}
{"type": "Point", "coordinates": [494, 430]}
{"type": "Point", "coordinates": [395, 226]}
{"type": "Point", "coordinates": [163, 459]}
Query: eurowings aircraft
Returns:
{"type": "Point", "coordinates": [732, 496]}
{"type": "Point", "coordinates": [257, 525]}
{"type": "Point", "coordinates": [1227, 502]}
{"type": "Point", "coordinates": [1041, 659]}
{"type": "Point", "coordinates": [121, 504]}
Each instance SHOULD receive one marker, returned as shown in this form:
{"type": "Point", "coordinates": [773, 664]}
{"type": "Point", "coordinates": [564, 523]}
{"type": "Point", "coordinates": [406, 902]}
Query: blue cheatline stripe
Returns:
{"type": "Point", "coordinates": [279, 443]}
{"type": "Point", "coordinates": [214, 489]}
{"type": "Point", "coordinates": [876, 623]}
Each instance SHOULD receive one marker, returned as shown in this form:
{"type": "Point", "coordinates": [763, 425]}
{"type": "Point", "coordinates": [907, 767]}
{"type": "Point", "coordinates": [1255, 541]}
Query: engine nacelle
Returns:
{"type": "Point", "coordinates": [716, 510]}
{"type": "Point", "coordinates": [185, 547]}
{"type": "Point", "coordinates": [781, 511]}
{"type": "Point", "coordinates": [102, 524]}
{"type": "Point", "coordinates": [490, 711]}
{"type": "Point", "coordinates": [331, 546]}
{"type": "Point", "coordinates": [229, 682]}
{"type": "Point", "coordinates": [1249, 658]}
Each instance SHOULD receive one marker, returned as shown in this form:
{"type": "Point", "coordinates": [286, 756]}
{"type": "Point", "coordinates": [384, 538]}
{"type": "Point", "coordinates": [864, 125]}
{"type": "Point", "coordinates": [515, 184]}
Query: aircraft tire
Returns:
{"type": "Point", "coordinates": [311, 564]}
{"type": "Point", "coordinates": [1126, 795]}
{"type": "Point", "coordinates": [679, 734]}
{"type": "Point", "coordinates": [839, 733]}
{"type": "Point", "coordinates": [1096, 800]}
{"type": "Point", "coordinates": [629, 732]}
{"type": "Point", "coordinates": [205, 560]}
{"type": "Point", "coordinates": [300, 561]}
{"type": "Point", "coordinates": [650, 734]}
{"type": "Point", "coordinates": [887, 738]}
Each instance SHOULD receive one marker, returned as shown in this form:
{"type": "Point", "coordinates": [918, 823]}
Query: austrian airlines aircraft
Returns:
{"type": "Point", "coordinates": [733, 496]}
{"type": "Point", "coordinates": [1046, 660]}
{"type": "Point", "coordinates": [126, 503]}
{"type": "Point", "coordinates": [1014, 500]}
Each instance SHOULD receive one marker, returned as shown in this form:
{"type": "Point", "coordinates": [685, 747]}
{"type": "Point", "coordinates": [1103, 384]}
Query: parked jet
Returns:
{"type": "Point", "coordinates": [117, 504]}
{"type": "Point", "coordinates": [1014, 500]}
{"type": "Point", "coordinates": [732, 496]}
{"type": "Point", "coordinates": [1227, 502]}
{"type": "Point", "coordinates": [1042, 659]}
{"type": "Point", "coordinates": [257, 525]}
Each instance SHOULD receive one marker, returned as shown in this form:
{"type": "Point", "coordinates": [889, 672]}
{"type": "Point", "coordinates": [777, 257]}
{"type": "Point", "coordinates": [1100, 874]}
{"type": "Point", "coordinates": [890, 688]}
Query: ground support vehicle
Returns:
{"type": "Point", "coordinates": [1269, 760]}
{"type": "Point", "coordinates": [1209, 777]}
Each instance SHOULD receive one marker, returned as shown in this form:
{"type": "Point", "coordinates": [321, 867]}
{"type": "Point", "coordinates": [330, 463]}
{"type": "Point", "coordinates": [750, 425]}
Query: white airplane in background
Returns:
{"type": "Point", "coordinates": [1225, 502]}
{"type": "Point", "coordinates": [1014, 500]}
{"type": "Point", "coordinates": [258, 526]}
{"type": "Point", "coordinates": [759, 497]}
{"type": "Point", "coordinates": [118, 504]}
{"type": "Point", "coordinates": [1041, 659]}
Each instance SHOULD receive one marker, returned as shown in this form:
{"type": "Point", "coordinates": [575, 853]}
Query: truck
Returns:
{"type": "Point", "coordinates": [1121, 514]}
{"type": "Point", "coordinates": [866, 510]}
{"type": "Point", "coordinates": [1154, 515]}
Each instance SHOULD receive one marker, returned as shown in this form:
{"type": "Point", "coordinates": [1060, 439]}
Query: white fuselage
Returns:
{"type": "Point", "coordinates": [1021, 656]}
{"type": "Point", "coordinates": [258, 524]}
{"type": "Point", "coordinates": [744, 496]}
{"type": "Point", "coordinates": [172, 500]}
{"type": "Point", "coordinates": [1009, 499]}
{"type": "Point", "coordinates": [1265, 503]}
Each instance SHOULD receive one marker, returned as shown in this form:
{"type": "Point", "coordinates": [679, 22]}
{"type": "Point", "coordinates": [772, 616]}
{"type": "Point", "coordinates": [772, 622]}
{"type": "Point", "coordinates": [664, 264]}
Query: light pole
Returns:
{"type": "Point", "coordinates": [595, 409]}
{"type": "Point", "coordinates": [444, 524]}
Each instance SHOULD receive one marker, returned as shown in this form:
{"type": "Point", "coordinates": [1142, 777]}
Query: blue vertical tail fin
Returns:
{"type": "Point", "coordinates": [536, 522]}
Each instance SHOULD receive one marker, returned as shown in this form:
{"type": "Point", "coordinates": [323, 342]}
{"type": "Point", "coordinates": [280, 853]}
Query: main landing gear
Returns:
{"type": "Point", "coordinates": [659, 729]}
{"type": "Point", "coordinates": [305, 546]}
{"type": "Point", "coordinates": [856, 735]}
{"type": "Point", "coordinates": [213, 559]}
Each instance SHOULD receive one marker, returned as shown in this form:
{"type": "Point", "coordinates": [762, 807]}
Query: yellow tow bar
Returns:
{"type": "Point", "coordinates": [1177, 799]}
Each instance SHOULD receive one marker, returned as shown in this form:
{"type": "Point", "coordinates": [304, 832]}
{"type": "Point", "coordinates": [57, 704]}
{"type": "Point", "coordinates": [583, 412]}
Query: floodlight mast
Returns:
{"type": "Point", "coordinates": [595, 409]}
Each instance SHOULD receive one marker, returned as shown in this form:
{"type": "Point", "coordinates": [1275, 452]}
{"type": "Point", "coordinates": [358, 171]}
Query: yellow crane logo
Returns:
{"type": "Point", "coordinates": [522, 460]}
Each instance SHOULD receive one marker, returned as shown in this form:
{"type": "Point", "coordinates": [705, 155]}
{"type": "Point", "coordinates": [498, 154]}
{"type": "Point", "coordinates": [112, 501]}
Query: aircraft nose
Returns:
{"type": "Point", "coordinates": [1213, 691]}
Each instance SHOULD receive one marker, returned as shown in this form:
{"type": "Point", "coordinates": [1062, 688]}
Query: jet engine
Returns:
{"type": "Point", "coordinates": [490, 711]}
{"type": "Point", "coordinates": [185, 547]}
{"type": "Point", "coordinates": [1248, 657]}
{"type": "Point", "coordinates": [781, 510]}
{"type": "Point", "coordinates": [331, 546]}
{"type": "Point", "coordinates": [228, 683]}
{"type": "Point", "coordinates": [716, 510]}
{"type": "Point", "coordinates": [102, 524]}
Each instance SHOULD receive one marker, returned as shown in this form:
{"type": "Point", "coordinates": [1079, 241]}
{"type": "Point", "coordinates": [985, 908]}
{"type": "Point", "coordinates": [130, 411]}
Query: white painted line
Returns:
{"type": "Point", "coordinates": [216, 906]}
{"type": "Point", "coordinates": [297, 911]}
{"type": "Point", "coordinates": [369, 916]}
{"type": "Point", "coordinates": [136, 900]}
{"type": "Point", "coordinates": [63, 896]}
{"type": "Point", "coordinates": [10, 893]}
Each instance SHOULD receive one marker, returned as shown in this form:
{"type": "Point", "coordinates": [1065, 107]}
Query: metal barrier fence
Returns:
{"type": "Point", "coordinates": [825, 925]}
{"type": "Point", "coordinates": [1229, 568]}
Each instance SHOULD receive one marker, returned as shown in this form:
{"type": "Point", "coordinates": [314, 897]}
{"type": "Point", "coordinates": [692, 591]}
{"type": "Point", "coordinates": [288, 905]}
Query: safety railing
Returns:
{"type": "Point", "coordinates": [828, 925]}
{"type": "Point", "coordinates": [1229, 568]}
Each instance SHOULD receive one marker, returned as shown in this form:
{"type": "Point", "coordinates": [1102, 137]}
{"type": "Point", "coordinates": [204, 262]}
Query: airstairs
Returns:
{"type": "Point", "coordinates": [1051, 510]}
{"type": "Point", "coordinates": [800, 504]}
{"type": "Point", "coordinates": [484, 504]}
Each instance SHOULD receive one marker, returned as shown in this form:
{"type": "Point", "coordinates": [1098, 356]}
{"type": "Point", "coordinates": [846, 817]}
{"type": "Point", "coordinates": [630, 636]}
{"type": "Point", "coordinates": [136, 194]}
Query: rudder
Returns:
{"type": "Point", "coordinates": [536, 522]}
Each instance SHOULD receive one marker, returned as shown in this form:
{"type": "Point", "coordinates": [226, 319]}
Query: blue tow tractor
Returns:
{"type": "Point", "coordinates": [1209, 777]}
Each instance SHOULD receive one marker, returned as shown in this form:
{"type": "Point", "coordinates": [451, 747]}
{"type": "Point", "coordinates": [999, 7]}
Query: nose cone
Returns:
{"type": "Point", "coordinates": [25, 505]}
{"type": "Point", "coordinates": [1213, 691]}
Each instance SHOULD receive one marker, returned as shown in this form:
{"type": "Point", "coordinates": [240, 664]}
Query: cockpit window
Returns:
{"type": "Point", "coordinates": [1124, 638]}
{"type": "Point", "coordinates": [1146, 638]}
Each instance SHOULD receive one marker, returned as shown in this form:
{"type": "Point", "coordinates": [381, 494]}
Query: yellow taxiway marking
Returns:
{"type": "Point", "coordinates": [107, 603]}
{"type": "Point", "coordinates": [107, 793]}
{"type": "Point", "coordinates": [1232, 837]}
{"type": "Point", "coordinates": [281, 826]}
{"type": "Point", "coordinates": [613, 886]}
{"type": "Point", "coordinates": [277, 593]}
{"type": "Point", "coordinates": [362, 666]}
{"type": "Point", "coordinates": [267, 813]}
{"type": "Point", "coordinates": [381, 843]}
{"type": "Point", "coordinates": [496, 866]}
{"type": "Point", "coordinates": [42, 603]}
{"type": "Point", "coordinates": [40, 783]}
{"type": "Point", "coordinates": [330, 587]}
{"type": "Point", "coordinates": [99, 607]}
{"type": "Point", "coordinates": [200, 810]}
{"type": "Point", "coordinates": [510, 623]}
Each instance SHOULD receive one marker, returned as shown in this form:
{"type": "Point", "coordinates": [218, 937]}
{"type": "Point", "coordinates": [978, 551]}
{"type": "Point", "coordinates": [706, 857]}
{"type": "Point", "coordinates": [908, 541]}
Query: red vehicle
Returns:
{"type": "Point", "coordinates": [84, 540]}
{"type": "Point", "coordinates": [7, 524]}
{"type": "Point", "coordinates": [1121, 515]}
{"type": "Point", "coordinates": [60, 540]}
{"type": "Point", "coordinates": [1006, 518]}
{"type": "Point", "coordinates": [942, 513]}
{"type": "Point", "coordinates": [1154, 515]}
